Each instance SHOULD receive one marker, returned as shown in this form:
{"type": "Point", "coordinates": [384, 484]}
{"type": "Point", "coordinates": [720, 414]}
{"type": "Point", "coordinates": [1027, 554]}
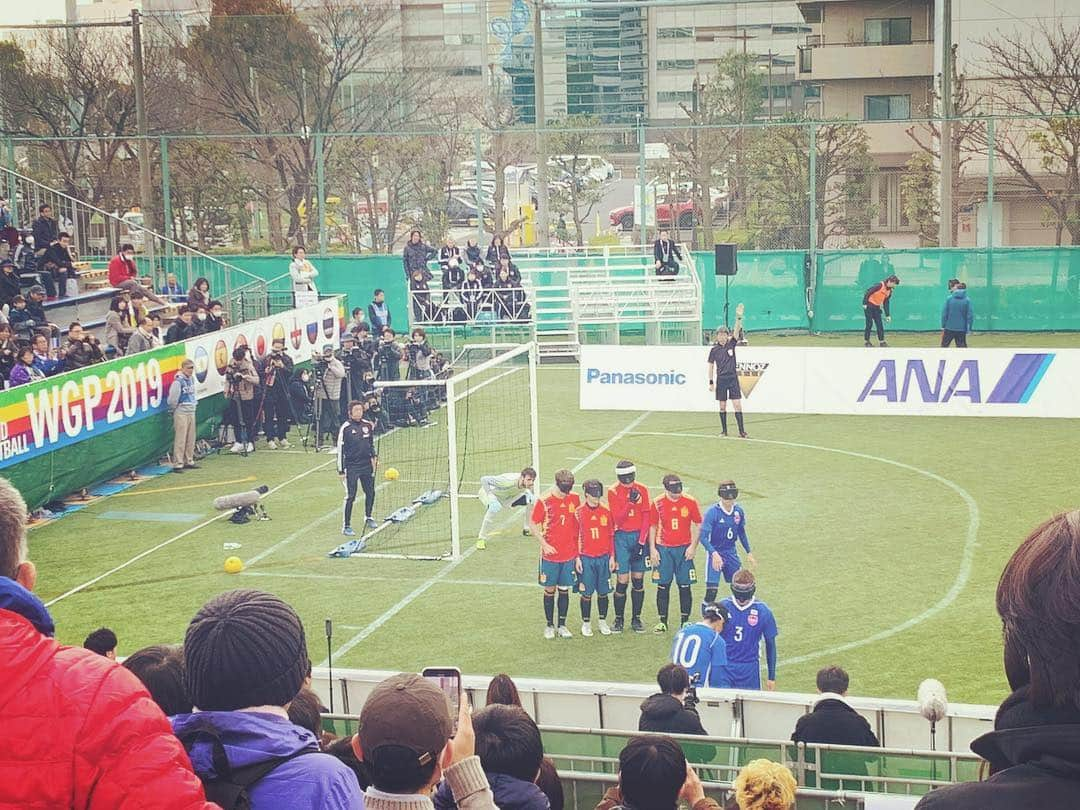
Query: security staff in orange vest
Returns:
{"type": "Point", "coordinates": [874, 301]}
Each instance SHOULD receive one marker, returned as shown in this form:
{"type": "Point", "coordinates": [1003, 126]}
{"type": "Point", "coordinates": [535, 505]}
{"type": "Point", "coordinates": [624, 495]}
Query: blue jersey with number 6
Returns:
{"type": "Point", "coordinates": [693, 651]}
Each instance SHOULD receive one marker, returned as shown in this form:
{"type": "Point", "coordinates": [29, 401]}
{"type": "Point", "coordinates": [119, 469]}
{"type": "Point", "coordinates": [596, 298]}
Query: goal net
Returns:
{"type": "Point", "coordinates": [441, 436]}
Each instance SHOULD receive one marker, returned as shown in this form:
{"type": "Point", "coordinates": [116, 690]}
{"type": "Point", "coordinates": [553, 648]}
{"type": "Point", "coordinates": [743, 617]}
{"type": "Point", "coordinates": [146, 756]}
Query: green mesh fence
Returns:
{"type": "Point", "coordinates": [1011, 289]}
{"type": "Point", "coordinates": [770, 283]}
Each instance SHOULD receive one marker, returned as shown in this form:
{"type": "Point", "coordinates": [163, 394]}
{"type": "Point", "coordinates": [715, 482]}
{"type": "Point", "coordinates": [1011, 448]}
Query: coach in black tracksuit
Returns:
{"type": "Point", "coordinates": [356, 462]}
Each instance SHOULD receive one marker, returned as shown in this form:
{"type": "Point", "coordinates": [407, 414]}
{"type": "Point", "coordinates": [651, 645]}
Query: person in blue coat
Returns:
{"type": "Point", "coordinates": [957, 317]}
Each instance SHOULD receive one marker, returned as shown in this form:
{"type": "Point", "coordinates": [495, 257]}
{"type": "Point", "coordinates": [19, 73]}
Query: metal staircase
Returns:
{"type": "Point", "coordinates": [589, 295]}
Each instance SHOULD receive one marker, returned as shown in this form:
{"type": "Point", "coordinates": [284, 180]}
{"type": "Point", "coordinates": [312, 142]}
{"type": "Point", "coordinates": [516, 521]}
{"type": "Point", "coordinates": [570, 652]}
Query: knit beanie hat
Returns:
{"type": "Point", "coordinates": [244, 648]}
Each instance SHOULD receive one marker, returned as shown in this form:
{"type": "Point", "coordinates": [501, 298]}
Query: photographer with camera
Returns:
{"type": "Point", "coordinates": [329, 372]}
{"type": "Point", "coordinates": [674, 709]}
{"type": "Point", "coordinates": [239, 388]}
{"type": "Point", "coordinates": [388, 357]}
{"type": "Point", "coordinates": [276, 372]}
{"type": "Point", "coordinates": [83, 349]}
{"type": "Point", "coordinates": [356, 362]}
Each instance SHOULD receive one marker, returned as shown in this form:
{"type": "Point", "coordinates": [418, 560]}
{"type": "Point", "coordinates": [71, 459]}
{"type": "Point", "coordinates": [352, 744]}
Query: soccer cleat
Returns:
{"type": "Point", "coordinates": [271, 445]}
{"type": "Point", "coordinates": [637, 625]}
{"type": "Point", "coordinates": [602, 625]}
{"type": "Point", "coordinates": [348, 531]}
{"type": "Point", "coordinates": [563, 632]}
{"type": "Point", "coordinates": [370, 523]}
{"type": "Point", "coordinates": [586, 630]}
{"type": "Point", "coordinates": [250, 448]}
{"type": "Point", "coordinates": [178, 469]}
{"type": "Point", "coordinates": [661, 627]}
{"type": "Point", "coordinates": [743, 434]}
{"type": "Point", "coordinates": [723, 433]}
{"type": "Point", "coordinates": [868, 344]}
{"type": "Point", "coordinates": [236, 448]}
{"type": "Point", "coordinates": [687, 624]}
{"type": "Point", "coordinates": [284, 444]}
{"type": "Point", "coordinates": [481, 545]}
{"type": "Point", "coordinates": [191, 466]}
{"type": "Point", "coordinates": [549, 632]}
{"type": "Point", "coordinates": [618, 626]}
{"type": "Point", "coordinates": [526, 533]}
{"type": "Point", "coordinates": [884, 344]}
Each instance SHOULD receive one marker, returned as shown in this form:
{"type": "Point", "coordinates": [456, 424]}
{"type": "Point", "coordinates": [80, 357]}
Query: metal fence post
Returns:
{"type": "Point", "coordinates": [990, 224]}
{"type": "Point", "coordinates": [641, 179]}
{"type": "Point", "coordinates": [320, 190]}
{"type": "Point", "coordinates": [166, 194]}
{"type": "Point", "coordinates": [479, 149]}
{"type": "Point", "coordinates": [12, 189]}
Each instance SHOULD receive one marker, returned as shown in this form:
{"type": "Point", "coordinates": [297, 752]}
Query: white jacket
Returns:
{"type": "Point", "coordinates": [302, 274]}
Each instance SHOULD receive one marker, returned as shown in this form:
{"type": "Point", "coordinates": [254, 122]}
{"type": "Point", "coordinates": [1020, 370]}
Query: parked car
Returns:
{"type": "Point", "coordinates": [594, 167]}
{"type": "Point", "coordinates": [682, 213]}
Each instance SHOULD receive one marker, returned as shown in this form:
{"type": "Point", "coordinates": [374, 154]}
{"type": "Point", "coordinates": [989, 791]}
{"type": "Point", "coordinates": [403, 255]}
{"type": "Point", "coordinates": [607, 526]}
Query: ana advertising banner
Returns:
{"type": "Point", "coordinates": [919, 382]}
{"type": "Point", "coordinates": [305, 330]}
{"type": "Point", "coordinates": [41, 417]}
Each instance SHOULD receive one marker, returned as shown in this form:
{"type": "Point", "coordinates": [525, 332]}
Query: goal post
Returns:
{"type": "Point", "coordinates": [443, 435]}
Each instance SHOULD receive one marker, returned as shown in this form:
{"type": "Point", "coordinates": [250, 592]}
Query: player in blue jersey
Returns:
{"type": "Point", "coordinates": [724, 524]}
{"type": "Point", "coordinates": [699, 647]}
{"type": "Point", "coordinates": [750, 622]}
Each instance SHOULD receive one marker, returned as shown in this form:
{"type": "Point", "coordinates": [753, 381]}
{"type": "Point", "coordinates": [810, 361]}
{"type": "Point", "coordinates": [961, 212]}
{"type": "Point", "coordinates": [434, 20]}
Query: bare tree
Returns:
{"type": "Point", "coordinates": [74, 90]}
{"type": "Point", "coordinates": [1038, 75]}
{"type": "Point", "coordinates": [576, 191]}
{"type": "Point", "coordinates": [503, 148]}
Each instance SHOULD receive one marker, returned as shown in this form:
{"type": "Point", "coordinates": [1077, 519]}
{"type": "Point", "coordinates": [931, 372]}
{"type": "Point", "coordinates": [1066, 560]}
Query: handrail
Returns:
{"type": "Point", "coordinates": [129, 225]}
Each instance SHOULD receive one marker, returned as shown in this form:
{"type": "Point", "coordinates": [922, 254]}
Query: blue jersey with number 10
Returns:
{"type": "Point", "coordinates": [693, 651]}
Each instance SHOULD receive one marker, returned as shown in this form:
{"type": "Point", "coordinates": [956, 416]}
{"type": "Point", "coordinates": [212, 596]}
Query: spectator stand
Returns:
{"type": "Point", "coordinates": [575, 296]}
{"type": "Point", "coordinates": [735, 713]}
{"type": "Point", "coordinates": [96, 236]}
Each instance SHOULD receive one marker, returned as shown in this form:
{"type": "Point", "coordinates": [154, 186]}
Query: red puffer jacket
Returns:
{"type": "Point", "coordinates": [79, 731]}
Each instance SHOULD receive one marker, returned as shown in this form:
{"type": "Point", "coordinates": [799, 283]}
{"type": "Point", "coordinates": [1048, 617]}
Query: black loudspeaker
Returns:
{"type": "Point", "coordinates": [727, 262]}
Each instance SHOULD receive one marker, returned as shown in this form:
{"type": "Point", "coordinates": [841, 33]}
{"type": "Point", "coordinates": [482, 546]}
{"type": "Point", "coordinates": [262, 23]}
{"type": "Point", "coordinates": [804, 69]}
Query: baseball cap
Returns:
{"type": "Point", "coordinates": [409, 711]}
{"type": "Point", "coordinates": [38, 289]}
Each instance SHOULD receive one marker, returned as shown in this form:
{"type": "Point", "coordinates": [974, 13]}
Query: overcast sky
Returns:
{"type": "Point", "coordinates": [22, 13]}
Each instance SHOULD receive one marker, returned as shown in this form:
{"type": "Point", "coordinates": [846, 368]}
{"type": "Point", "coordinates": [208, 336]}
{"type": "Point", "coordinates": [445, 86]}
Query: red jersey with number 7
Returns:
{"type": "Point", "coordinates": [597, 531]}
{"type": "Point", "coordinates": [558, 516]}
{"type": "Point", "coordinates": [673, 519]}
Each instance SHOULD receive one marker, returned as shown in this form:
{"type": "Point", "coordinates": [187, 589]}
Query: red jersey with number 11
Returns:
{"type": "Point", "coordinates": [558, 516]}
{"type": "Point", "coordinates": [673, 519]}
{"type": "Point", "coordinates": [597, 531]}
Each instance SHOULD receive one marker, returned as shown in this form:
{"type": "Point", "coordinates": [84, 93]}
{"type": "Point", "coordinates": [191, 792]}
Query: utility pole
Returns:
{"type": "Point", "coordinates": [542, 213]}
{"type": "Point", "coordinates": [945, 232]}
{"type": "Point", "coordinates": [145, 190]}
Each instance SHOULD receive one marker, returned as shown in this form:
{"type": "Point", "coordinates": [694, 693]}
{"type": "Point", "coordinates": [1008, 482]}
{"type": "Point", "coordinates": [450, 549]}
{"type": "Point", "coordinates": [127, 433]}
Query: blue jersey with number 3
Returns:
{"type": "Point", "coordinates": [744, 631]}
{"type": "Point", "coordinates": [693, 651]}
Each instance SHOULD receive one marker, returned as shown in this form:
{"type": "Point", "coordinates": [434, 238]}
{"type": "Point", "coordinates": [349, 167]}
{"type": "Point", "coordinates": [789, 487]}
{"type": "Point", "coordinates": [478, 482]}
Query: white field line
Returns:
{"type": "Point", "coordinates": [419, 591]}
{"type": "Point", "coordinates": [967, 556]}
{"type": "Point", "coordinates": [367, 578]}
{"type": "Point", "coordinates": [173, 539]}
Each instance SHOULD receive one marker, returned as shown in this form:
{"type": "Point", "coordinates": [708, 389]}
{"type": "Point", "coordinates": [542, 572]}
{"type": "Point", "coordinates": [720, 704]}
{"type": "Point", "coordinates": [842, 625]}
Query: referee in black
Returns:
{"type": "Point", "coordinates": [357, 459]}
{"type": "Point", "coordinates": [723, 375]}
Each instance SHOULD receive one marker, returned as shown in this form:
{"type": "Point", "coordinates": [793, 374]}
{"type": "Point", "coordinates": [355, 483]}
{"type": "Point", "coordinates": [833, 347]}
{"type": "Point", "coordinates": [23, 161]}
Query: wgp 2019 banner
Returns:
{"type": "Point", "coordinates": [857, 381]}
{"type": "Point", "coordinates": [42, 417]}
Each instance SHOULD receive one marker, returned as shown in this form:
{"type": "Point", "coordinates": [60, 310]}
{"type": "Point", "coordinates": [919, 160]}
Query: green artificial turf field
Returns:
{"type": "Point", "coordinates": [879, 543]}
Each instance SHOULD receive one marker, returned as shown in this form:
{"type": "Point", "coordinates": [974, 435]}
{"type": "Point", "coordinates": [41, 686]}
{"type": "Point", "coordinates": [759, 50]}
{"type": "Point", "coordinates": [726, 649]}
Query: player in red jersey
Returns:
{"type": "Point", "coordinates": [596, 561]}
{"type": "Point", "coordinates": [555, 522]}
{"type": "Point", "coordinates": [673, 541]}
{"type": "Point", "coordinates": [630, 507]}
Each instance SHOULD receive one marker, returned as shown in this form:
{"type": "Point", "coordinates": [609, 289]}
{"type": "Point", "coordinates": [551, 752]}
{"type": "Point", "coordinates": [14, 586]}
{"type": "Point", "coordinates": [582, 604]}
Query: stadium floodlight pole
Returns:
{"type": "Point", "coordinates": [945, 219]}
{"type": "Point", "coordinates": [146, 191]}
{"type": "Point", "coordinates": [542, 213]}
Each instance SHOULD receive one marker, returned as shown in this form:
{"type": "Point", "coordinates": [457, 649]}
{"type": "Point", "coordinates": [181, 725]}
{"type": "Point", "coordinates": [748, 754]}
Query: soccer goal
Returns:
{"type": "Point", "coordinates": [440, 436]}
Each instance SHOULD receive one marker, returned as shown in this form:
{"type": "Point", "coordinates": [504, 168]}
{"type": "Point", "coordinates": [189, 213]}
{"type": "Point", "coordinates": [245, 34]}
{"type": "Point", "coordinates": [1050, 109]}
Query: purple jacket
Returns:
{"type": "Point", "coordinates": [316, 781]}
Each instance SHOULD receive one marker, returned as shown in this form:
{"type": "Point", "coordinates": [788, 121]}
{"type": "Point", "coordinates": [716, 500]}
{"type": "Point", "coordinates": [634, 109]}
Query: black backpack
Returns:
{"type": "Point", "coordinates": [230, 788]}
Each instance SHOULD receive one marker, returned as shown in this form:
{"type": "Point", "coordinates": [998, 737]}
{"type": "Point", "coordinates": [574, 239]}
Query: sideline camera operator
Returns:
{"type": "Point", "coordinates": [356, 362]}
{"type": "Point", "coordinates": [673, 710]}
{"type": "Point", "coordinates": [329, 372]}
{"type": "Point", "coordinates": [240, 381]}
{"type": "Point", "coordinates": [83, 349]}
{"type": "Point", "coordinates": [276, 372]}
{"type": "Point", "coordinates": [388, 357]}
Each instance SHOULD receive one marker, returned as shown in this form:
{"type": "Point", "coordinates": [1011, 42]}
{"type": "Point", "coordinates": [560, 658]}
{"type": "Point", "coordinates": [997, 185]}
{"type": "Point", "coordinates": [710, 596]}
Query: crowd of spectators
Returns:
{"type": "Point", "coordinates": [228, 719]}
{"type": "Point", "coordinates": [473, 285]}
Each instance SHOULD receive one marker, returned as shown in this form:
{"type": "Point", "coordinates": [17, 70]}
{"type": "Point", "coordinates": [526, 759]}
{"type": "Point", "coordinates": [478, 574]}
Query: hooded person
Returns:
{"type": "Point", "coordinates": [957, 317]}
{"type": "Point", "coordinates": [79, 730]}
{"type": "Point", "coordinates": [245, 659]}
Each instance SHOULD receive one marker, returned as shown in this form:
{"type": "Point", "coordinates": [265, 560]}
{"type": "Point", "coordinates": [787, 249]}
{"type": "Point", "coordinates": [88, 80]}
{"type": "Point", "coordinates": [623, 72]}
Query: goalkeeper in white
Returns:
{"type": "Point", "coordinates": [507, 498]}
